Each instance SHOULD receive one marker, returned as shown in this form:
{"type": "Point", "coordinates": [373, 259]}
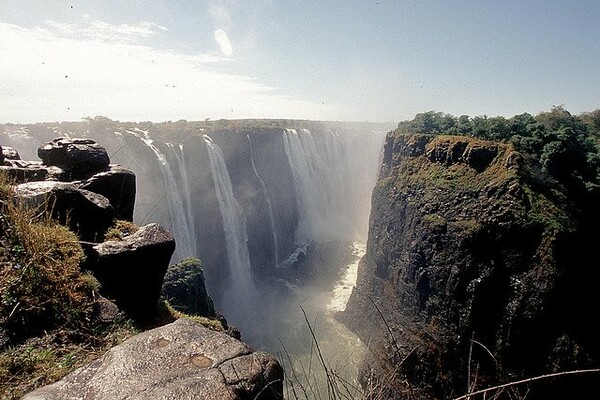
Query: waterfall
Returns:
{"type": "Point", "coordinates": [269, 204]}
{"type": "Point", "coordinates": [333, 175]}
{"type": "Point", "coordinates": [187, 199]}
{"type": "Point", "coordinates": [234, 223]}
{"type": "Point", "coordinates": [180, 226]}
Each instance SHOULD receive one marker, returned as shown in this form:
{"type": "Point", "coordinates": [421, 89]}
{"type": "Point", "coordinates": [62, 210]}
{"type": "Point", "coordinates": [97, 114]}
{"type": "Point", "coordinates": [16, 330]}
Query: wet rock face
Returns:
{"type": "Point", "coordinates": [80, 157]}
{"type": "Point", "coordinates": [465, 244]}
{"type": "Point", "coordinates": [131, 270]}
{"type": "Point", "coordinates": [181, 360]}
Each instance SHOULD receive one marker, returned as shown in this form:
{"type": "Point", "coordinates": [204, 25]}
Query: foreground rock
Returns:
{"type": "Point", "coordinates": [181, 360]}
{"type": "Point", "coordinates": [21, 171]}
{"type": "Point", "coordinates": [131, 270]}
{"type": "Point", "coordinates": [8, 153]}
{"type": "Point", "coordinates": [467, 243]}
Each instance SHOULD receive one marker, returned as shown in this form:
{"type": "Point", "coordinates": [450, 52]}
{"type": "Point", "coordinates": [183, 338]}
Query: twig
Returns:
{"type": "Point", "coordinates": [294, 376]}
{"type": "Point", "coordinates": [469, 363]}
{"type": "Point", "coordinates": [386, 325]}
{"type": "Point", "coordinates": [330, 383]}
{"type": "Point", "coordinates": [528, 380]}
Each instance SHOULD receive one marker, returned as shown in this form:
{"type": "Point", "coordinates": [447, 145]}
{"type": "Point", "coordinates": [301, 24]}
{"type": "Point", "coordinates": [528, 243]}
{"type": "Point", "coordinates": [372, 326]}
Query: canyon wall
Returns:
{"type": "Point", "coordinates": [478, 271]}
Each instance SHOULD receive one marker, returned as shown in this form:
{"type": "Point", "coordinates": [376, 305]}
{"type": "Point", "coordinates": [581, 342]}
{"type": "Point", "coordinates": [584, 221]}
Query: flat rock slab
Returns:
{"type": "Point", "coordinates": [21, 171]}
{"type": "Point", "coordinates": [182, 360]}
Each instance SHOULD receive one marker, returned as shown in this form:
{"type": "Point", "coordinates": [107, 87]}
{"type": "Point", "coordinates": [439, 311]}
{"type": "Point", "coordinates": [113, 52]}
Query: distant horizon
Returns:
{"type": "Point", "coordinates": [211, 120]}
{"type": "Point", "coordinates": [331, 61]}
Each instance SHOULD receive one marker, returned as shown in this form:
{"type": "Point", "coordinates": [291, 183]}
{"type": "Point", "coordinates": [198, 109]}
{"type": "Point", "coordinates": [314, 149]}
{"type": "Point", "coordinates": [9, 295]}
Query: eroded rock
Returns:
{"type": "Point", "coordinates": [79, 157]}
{"type": "Point", "coordinates": [118, 186]}
{"type": "Point", "coordinates": [131, 270]}
{"type": "Point", "coordinates": [86, 213]}
{"type": "Point", "coordinates": [184, 288]}
{"type": "Point", "coordinates": [182, 360]}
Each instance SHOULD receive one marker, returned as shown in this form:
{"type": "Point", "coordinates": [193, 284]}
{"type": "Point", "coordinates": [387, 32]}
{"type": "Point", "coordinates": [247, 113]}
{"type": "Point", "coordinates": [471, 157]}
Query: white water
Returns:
{"type": "Point", "coordinates": [334, 174]}
{"type": "Point", "coordinates": [234, 225]}
{"type": "Point", "coordinates": [185, 183]}
{"type": "Point", "coordinates": [269, 205]}
{"type": "Point", "coordinates": [343, 289]}
{"type": "Point", "coordinates": [341, 349]}
{"type": "Point", "coordinates": [180, 225]}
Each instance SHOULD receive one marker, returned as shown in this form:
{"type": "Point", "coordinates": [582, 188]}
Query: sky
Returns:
{"type": "Point", "coordinates": [352, 60]}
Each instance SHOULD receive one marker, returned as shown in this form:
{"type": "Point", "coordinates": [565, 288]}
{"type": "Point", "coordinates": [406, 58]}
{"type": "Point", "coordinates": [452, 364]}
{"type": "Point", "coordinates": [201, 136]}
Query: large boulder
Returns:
{"type": "Point", "coordinates": [182, 360]}
{"type": "Point", "coordinates": [131, 270]}
{"type": "Point", "coordinates": [8, 153]}
{"type": "Point", "coordinates": [86, 213]}
{"type": "Point", "coordinates": [118, 186]}
{"type": "Point", "coordinates": [184, 288]}
{"type": "Point", "coordinates": [79, 157]}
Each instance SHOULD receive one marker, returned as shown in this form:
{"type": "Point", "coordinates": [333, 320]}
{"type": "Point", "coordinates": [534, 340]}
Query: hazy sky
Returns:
{"type": "Point", "coordinates": [338, 60]}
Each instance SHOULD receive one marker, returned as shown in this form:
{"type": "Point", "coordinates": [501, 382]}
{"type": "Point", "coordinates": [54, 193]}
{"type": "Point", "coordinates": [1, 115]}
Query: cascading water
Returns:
{"type": "Point", "coordinates": [181, 227]}
{"type": "Point", "coordinates": [234, 224]}
{"type": "Point", "coordinates": [186, 186]}
{"type": "Point", "coordinates": [269, 204]}
{"type": "Point", "coordinates": [333, 175]}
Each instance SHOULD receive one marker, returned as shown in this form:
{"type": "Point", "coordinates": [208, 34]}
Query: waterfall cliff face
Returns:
{"type": "Point", "coordinates": [244, 199]}
{"type": "Point", "coordinates": [333, 176]}
{"type": "Point", "coordinates": [234, 222]}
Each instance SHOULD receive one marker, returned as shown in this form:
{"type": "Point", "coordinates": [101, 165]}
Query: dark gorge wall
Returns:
{"type": "Point", "coordinates": [476, 262]}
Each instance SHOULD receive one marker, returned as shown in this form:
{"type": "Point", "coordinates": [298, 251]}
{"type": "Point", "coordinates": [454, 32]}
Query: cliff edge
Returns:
{"type": "Point", "coordinates": [476, 273]}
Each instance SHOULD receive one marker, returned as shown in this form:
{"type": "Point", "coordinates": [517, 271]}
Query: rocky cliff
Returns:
{"type": "Point", "coordinates": [478, 271]}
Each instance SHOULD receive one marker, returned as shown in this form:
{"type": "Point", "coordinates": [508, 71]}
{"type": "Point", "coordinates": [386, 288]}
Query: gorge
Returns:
{"type": "Point", "coordinates": [476, 251]}
{"type": "Point", "coordinates": [271, 211]}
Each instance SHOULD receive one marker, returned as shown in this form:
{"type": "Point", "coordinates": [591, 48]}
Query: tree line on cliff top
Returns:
{"type": "Point", "coordinates": [565, 146]}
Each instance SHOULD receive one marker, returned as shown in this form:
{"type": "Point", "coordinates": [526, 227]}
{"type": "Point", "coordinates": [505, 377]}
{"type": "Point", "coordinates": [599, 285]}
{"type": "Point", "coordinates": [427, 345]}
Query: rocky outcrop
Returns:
{"type": "Point", "coordinates": [117, 184]}
{"type": "Point", "coordinates": [476, 262]}
{"type": "Point", "coordinates": [8, 153]}
{"type": "Point", "coordinates": [86, 213]}
{"type": "Point", "coordinates": [181, 360]}
{"type": "Point", "coordinates": [80, 158]}
{"type": "Point", "coordinates": [21, 171]}
{"type": "Point", "coordinates": [184, 288]}
{"type": "Point", "coordinates": [131, 270]}
{"type": "Point", "coordinates": [80, 203]}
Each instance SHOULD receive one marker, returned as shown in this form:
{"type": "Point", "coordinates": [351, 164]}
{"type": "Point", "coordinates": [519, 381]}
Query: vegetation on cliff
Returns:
{"type": "Point", "coordinates": [566, 146]}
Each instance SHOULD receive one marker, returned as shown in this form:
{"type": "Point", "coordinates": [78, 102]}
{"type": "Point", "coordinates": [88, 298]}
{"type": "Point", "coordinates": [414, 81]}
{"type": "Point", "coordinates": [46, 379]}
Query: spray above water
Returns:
{"type": "Point", "coordinates": [333, 175]}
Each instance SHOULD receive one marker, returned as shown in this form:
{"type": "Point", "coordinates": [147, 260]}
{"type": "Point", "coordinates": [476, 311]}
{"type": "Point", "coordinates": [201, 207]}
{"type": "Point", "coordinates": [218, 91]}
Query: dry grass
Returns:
{"type": "Point", "coordinates": [120, 230]}
{"type": "Point", "coordinates": [45, 301]}
{"type": "Point", "coordinates": [167, 314]}
{"type": "Point", "coordinates": [41, 285]}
